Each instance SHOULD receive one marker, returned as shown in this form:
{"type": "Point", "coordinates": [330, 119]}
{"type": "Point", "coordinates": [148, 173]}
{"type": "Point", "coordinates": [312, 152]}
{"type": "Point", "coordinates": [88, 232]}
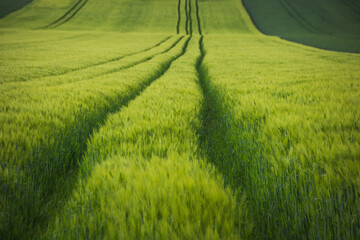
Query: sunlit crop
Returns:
{"type": "Point", "coordinates": [179, 119]}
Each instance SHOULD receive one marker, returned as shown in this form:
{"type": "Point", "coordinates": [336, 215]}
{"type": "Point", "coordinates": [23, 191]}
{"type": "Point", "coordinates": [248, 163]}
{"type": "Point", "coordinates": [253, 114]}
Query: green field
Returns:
{"type": "Point", "coordinates": [326, 24]}
{"type": "Point", "coordinates": [9, 6]}
{"type": "Point", "coordinates": [179, 119]}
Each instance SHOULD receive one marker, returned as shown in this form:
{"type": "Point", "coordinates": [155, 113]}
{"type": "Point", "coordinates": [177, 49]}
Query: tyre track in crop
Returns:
{"type": "Point", "coordinates": [172, 139]}
{"type": "Point", "coordinates": [115, 70]}
{"type": "Point", "coordinates": [198, 16]}
{"type": "Point", "coordinates": [190, 19]}
{"type": "Point", "coordinates": [219, 140]}
{"type": "Point", "coordinates": [68, 15]}
{"type": "Point", "coordinates": [132, 96]}
{"type": "Point", "coordinates": [352, 5]}
{"type": "Point", "coordinates": [241, 159]}
{"type": "Point", "coordinates": [124, 56]}
{"type": "Point", "coordinates": [36, 43]}
{"type": "Point", "coordinates": [59, 160]}
{"type": "Point", "coordinates": [179, 18]}
{"type": "Point", "coordinates": [95, 64]}
{"type": "Point", "coordinates": [187, 17]}
{"type": "Point", "coordinates": [147, 84]}
{"type": "Point", "coordinates": [139, 62]}
{"type": "Point", "coordinates": [299, 18]}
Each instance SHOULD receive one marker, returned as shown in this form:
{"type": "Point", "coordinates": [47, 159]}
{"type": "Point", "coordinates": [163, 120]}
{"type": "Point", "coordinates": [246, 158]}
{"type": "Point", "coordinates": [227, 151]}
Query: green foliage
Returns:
{"type": "Point", "coordinates": [42, 138]}
{"type": "Point", "coordinates": [106, 15]}
{"type": "Point", "coordinates": [37, 14]}
{"type": "Point", "coordinates": [65, 54]}
{"type": "Point", "coordinates": [114, 125]}
{"type": "Point", "coordinates": [148, 180]}
{"type": "Point", "coordinates": [150, 199]}
{"type": "Point", "coordinates": [333, 25]}
{"type": "Point", "coordinates": [225, 16]}
{"type": "Point", "coordinates": [283, 126]}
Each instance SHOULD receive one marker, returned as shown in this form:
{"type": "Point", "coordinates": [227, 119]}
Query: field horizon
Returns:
{"type": "Point", "coordinates": [179, 119]}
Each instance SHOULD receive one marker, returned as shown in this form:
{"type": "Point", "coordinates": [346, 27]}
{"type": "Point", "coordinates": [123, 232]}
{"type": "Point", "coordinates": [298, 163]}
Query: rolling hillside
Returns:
{"type": "Point", "coordinates": [179, 119]}
{"type": "Point", "coordinates": [107, 15]}
{"type": "Point", "coordinates": [9, 6]}
{"type": "Point", "coordinates": [332, 25]}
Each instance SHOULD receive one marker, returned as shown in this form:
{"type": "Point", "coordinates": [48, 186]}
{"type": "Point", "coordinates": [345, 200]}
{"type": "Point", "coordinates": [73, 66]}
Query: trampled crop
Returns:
{"type": "Point", "coordinates": [176, 119]}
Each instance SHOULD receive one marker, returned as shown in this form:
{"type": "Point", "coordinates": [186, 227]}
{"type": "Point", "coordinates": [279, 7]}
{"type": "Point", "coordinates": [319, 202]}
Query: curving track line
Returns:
{"type": "Point", "coordinates": [352, 5]}
{"type": "Point", "coordinates": [298, 17]}
{"type": "Point", "coordinates": [187, 17]}
{"type": "Point", "coordinates": [36, 43]}
{"type": "Point", "coordinates": [132, 64]}
{"type": "Point", "coordinates": [198, 17]}
{"type": "Point", "coordinates": [95, 64]}
{"type": "Point", "coordinates": [179, 18]}
{"type": "Point", "coordinates": [69, 160]}
{"type": "Point", "coordinates": [190, 19]}
{"type": "Point", "coordinates": [68, 15]}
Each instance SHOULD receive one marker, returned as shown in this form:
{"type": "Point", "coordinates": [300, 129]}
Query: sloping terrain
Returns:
{"type": "Point", "coordinates": [110, 15]}
{"type": "Point", "coordinates": [175, 119]}
{"type": "Point", "coordinates": [327, 24]}
{"type": "Point", "coordinates": [9, 6]}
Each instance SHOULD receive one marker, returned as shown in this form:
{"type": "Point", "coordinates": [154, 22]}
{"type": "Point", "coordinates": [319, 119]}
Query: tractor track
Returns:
{"type": "Point", "coordinates": [187, 18]}
{"type": "Point", "coordinates": [115, 70]}
{"type": "Point", "coordinates": [179, 18]}
{"type": "Point", "coordinates": [190, 18]}
{"type": "Point", "coordinates": [68, 15]}
{"type": "Point", "coordinates": [96, 64]}
{"type": "Point", "coordinates": [36, 43]}
{"type": "Point", "coordinates": [352, 5]}
{"type": "Point", "coordinates": [198, 16]}
{"type": "Point", "coordinates": [138, 93]}
{"type": "Point", "coordinates": [298, 17]}
{"type": "Point", "coordinates": [38, 202]}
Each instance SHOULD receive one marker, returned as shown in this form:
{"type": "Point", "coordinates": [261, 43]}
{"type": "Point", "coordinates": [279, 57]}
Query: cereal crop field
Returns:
{"type": "Point", "coordinates": [180, 119]}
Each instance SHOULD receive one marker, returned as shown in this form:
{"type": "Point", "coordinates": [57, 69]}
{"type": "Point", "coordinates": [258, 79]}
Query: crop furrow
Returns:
{"type": "Point", "coordinates": [352, 5]}
{"type": "Point", "coordinates": [141, 61]}
{"type": "Point", "coordinates": [179, 18]}
{"type": "Point", "coordinates": [276, 193]}
{"type": "Point", "coordinates": [73, 14]}
{"type": "Point", "coordinates": [198, 17]}
{"type": "Point", "coordinates": [98, 64]}
{"type": "Point", "coordinates": [218, 140]}
{"type": "Point", "coordinates": [118, 69]}
{"type": "Point", "coordinates": [36, 43]}
{"type": "Point", "coordinates": [68, 15]}
{"type": "Point", "coordinates": [84, 76]}
{"type": "Point", "coordinates": [215, 123]}
{"type": "Point", "coordinates": [298, 17]}
{"type": "Point", "coordinates": [222, 140]}
{"type": "Point", "coordinates": [65, 15]}
{"type": "Point", "coordinates": [213, 126]}
{"type": "Point", "coordinates": [159, 153]}
{"type": "Point", "coordinates": [33, 186]}
{"type": "Point", "coordinates": [355, 3]}
{"type": "Point", "coordinates": [167, 67]}
{"type": "Point", "coordinates": [187, 17]}
{"type": "Point", "coordinates": [190, 18]}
